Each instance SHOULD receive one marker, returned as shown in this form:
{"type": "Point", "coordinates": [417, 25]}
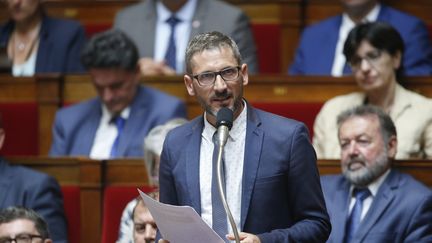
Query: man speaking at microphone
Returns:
{"type": "Point", "coordinates": [270, 175]}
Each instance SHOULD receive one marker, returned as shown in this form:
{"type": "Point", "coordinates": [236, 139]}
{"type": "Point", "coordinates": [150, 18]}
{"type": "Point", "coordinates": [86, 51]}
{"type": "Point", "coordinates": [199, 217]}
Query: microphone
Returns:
{"type": "Point", "coordinates": [224, 122]}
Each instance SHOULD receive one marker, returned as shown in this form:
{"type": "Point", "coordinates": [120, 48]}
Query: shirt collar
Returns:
{"type": "Point", "coordinates": [239, 126]}
{"type": "Point", "coordinates": [185, 13]}
{"type": "Point", "coordinates": [107, 116]}
{"type": "Point", "coordinates": [372, 16]}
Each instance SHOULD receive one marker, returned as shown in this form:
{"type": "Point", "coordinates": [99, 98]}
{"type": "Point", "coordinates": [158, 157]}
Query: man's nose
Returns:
{"type": "Point", "coordinates": [150, 232]}
{"type": "Point", "coordinates": [219, 84]}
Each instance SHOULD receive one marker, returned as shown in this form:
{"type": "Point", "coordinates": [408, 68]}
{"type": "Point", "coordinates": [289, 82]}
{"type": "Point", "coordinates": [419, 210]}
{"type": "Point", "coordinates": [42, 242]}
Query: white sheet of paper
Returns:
{"type": "Point", "coordinates": [179, 224]}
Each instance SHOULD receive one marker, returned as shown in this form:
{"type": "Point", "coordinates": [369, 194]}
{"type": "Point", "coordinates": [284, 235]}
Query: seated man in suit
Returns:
{"type": "Point", "coordinates": [115, 123]}
{"type": "Point", "coordinates": [320, 47]}
{"type": "Point", "coordinates": [20, 186]}
{"type": "Point", "coordinates": [370, 201]}
{"type": "Point", "coordinates": [161, 30]}
{"type": "Point", "coordinates": [22, 225]}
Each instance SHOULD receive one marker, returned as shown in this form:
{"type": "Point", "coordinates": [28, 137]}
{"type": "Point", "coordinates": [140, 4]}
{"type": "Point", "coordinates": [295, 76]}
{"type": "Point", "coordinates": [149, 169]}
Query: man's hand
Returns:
{"type": "Point", "coordinates": [244, 238]}
{"type": "Point", "coordinates": [163, 241]}
{"type": "Point", "coordinates": [149, 67]}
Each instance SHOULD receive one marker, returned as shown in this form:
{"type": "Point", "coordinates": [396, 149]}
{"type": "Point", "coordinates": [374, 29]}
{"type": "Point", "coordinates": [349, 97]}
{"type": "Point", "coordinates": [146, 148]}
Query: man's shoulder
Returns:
{"type": "Point", "coordinates": [25, 175]}
{"type": "Point", "coordinates": [221, 6]}
{"type": "Point", "coordinates": [331, 181]}
{"type": "Point", "coordinates": [407, 183]}
{"type": "Point", "coordinates": [156, 97]}
{"type": "Point", "coordinates": [324, 27]}
{"type": "Point", "coordinates": [397, 17]}
{"type": "Point", "coordinates": [79, 109]}
{"type": "Point", "coordinates": [134, 9]}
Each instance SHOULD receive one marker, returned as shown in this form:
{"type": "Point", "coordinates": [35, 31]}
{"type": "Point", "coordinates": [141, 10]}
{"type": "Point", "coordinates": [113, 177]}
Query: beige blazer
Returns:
{"type": "Point", "coordinates": [411, 113]}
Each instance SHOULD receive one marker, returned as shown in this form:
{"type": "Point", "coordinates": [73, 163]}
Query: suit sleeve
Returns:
{"type": "Point", "coordinates": [420, 227]}
{"type": "Point", "coordinates": [58, 144]}
{"type": "Point", "coordinates": [418, 51]}
{"type": "Point", "coordinates": [311, 222]}
{"type": "Point", "coordinates": [297, 67]}
{"type": "Point", "coordinates": [246, 43]}
{"type": "Point", "coordinates": [47, 200]}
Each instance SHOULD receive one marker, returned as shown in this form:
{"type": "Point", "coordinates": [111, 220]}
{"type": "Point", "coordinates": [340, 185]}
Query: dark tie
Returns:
{"type": "Point", "coordinates": [119, 122]}
{"type": "Point", "coordinates": [346, 69]}
{"type": "Point", "coordinates": [353, 221]}
{"type": "Point", "coordinates": [218, 212]}
{"type": "Point", "coordinates": [170, 55]}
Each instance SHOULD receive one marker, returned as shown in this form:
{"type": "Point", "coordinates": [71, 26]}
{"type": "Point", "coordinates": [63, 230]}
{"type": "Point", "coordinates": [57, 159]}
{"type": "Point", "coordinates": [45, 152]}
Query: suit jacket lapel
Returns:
{"type": "Point", "coordinates": [253, 146]}
{"type": "Point", "coordinates": [192, 163]}
{"type": "Point", "coordinates": [5, 182]}
{"type": "Point", "coordinates": [138, 112]}
{"type": "Point", "coordinates": [379, 205]}
{"type": "Point", "coordinates": [84, 140]}
{"type": "Point", "coordinates": [339, 211]}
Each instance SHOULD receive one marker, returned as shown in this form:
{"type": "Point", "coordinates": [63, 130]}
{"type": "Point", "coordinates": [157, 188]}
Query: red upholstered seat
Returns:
{"type": "Point", "coordinates": [268, 42]}
{"type": "Point", "coordinates": [304, 112]}
{"type": "Point", "coordinates": [115, 200]}
{"type": "Point", "coordinates": [95, 28]}
{"type": "Point", "coordinates": [71, 199]}
{"type": "Point", "coordinates": [20, 122]}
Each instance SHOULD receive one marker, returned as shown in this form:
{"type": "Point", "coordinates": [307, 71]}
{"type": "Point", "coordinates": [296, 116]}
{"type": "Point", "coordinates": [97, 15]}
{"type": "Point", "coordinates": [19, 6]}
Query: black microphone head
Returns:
{"type": "Point", "coordinates": [224, 117]}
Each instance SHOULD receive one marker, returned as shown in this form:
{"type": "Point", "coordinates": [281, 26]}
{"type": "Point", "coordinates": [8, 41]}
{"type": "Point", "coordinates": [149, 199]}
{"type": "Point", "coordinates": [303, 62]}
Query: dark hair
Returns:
{"type": "Point", "coordinates": [208, 41]}
{"type": "Point", "coordinates": [387, 126]}
{"type": "Point", "coordinates": [380, 35]}
{"type": "Point", "coordinates": [10, 214]}
{"type": "Point", "coordinates": [110, 49]}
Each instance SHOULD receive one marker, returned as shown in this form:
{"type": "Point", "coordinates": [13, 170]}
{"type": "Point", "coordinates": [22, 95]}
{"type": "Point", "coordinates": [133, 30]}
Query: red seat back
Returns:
{"type": "Point", "coordinates": [115, 200]}
{"type": "Point", "coordinates": [71, 199]}
{"type": "Point", "coordinates": [20, 122]}
{"type": "Point", "coordinates": [304, 112]}
{"type": "Point", "coordinates": [268, 41]}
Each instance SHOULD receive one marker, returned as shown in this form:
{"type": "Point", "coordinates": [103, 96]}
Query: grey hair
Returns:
{"type": "Point", "coordinates": [153, 142]}
{"type": "Point", "coordinates": [209, 41]}
{"type": "Point", "coordinates": [10, 214]}
{"type": "Point", "coordinates": [387, 127]}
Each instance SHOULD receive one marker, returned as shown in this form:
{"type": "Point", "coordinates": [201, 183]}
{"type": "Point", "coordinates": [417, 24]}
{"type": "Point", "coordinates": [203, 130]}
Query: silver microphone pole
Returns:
{"type": "Point", "coordinates": [224, 123]}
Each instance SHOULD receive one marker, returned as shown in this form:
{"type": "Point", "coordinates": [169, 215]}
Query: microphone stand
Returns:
{"type": "Point", "coordinates": [222, 193]}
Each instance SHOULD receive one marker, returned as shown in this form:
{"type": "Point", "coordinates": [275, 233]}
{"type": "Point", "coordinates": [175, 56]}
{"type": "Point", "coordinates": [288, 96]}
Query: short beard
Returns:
{"type": "Point", "coordinates": [367, 175]}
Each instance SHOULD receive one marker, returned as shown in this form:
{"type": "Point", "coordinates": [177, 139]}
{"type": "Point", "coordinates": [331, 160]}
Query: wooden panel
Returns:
{"type": "Point", "coordinates": [81, 172]}
{"type": "Point", "coordinates": [419, 169]}
{"type": "Point", "coordinates": [125, 172]}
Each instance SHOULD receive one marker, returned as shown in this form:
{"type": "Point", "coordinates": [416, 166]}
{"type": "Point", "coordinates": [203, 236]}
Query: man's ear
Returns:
{"type": "Point", "coordinates": [188, 80]}
{"type": "Point", "coordinates": [244, 72]}
{"type": "Point", "coordinates": [392, 147]}
{"type": "Point", "coordinates": [48, 241]}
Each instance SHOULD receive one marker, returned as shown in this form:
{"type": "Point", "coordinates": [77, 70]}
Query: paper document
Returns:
{"type": "Point", "coordinates": [179, 224]}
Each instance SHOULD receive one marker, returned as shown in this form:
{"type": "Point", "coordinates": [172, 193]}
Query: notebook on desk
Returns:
{"type": "Point", "coordinates": [5, 62]}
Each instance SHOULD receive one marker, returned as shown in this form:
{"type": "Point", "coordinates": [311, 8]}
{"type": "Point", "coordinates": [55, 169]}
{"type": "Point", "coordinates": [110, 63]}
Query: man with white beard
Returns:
{"type": "Point", "coordinates": [370, 201]}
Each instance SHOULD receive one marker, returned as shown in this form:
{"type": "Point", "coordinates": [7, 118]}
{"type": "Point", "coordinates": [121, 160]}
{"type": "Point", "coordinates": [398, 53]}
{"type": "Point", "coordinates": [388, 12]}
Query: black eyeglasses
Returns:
{"type": "Point", "coordinates": [21, 238]}
{"type": "Point", "coordinates": [371, 57]}
{"type": "Point", "coordinates": [209, 78]}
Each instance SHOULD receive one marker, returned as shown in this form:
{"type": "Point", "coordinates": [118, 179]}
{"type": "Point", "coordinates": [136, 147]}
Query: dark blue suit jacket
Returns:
{"type": "Point", "coordinates": [282, 199]}
{"type": "Point", "coordinates": [400, 212]}
{"type": "Point", "coordinates": [59, 47]}
{"type": "Point", "coordinates": [315, 53]}
{"type": "Point", "coordinates": [20, 186]}
{"type": "Point", "coordinates": [75, 126]}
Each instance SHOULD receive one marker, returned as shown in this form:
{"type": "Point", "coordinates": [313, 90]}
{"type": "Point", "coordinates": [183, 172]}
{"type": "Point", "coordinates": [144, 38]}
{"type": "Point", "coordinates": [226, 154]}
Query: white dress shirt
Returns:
{"type": "Point", "coordinates": [25, 69]}
{"type": "Point", "coordinates": [373, 188]}
{"type": "Point", "coordinates": [346, 26]}
{"type": "Point", "coordinates": [182, 32]}
{"type": "Point", "coordinates": [106, 134]}
{"type": "Point", "coordinates": [233, 157]}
